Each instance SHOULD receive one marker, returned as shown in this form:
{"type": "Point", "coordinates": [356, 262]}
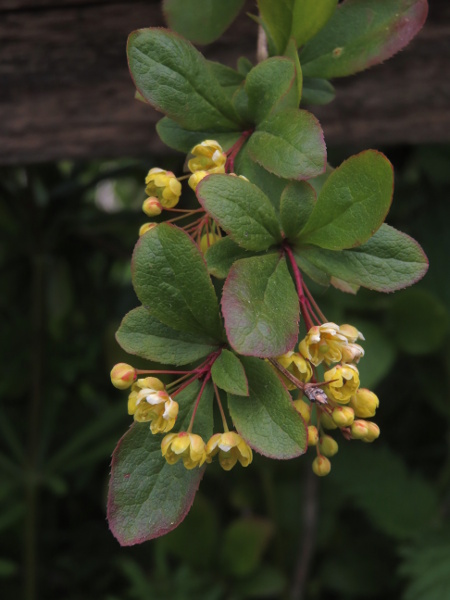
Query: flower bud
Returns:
{"type": "Point", "coordinates": [328, 446]}
{"type": "Point", "coordinates": [122, 376]}
{"type": "Point", "coordinates": [373, 432]}
{"type": "Point", "coordinates": [208, 240]}
{"type": "Point", "coordinates": [152, 207]}
{"type": "Point", "coordinates": [321, 466]}
{"type": "Point", "coordinates": [364, 403]}
{"type": "Point", "coordinates": [360, 429]}
{"type": "Point", "coordinates": [327, 422]}
{"type": "Point", "coordinates": [164, 186]}
{"type": "Point", "coordinates": [343, 416]}
{"type": "Point", "coordinates": [146, 227]}
{"type": "Point", "coordinates": [313, 435]}
{"type": "Point", "coordinates": [304, 409]}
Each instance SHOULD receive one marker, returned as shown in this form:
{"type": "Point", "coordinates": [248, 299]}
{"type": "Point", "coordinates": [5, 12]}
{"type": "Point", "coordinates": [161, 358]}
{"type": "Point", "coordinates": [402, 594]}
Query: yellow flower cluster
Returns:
{"type": "Point", "coordinates": [208, 157]}
{"type": "Point", "coordinates": [162, 187]}
{"type": "Point", "coordinates": [347, 405]}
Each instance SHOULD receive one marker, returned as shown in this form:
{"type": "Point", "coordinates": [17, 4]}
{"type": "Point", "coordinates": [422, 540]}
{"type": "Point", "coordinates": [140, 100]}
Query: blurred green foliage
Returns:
{"type": "Point", "coordinates": [376, 527]}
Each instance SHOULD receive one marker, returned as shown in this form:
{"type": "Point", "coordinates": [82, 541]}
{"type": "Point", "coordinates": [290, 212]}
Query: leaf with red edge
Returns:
{"type": "Point", "coordinates": [360, 34]}
{"type": "Point", "coordinates": [260, 306]}
{"type": "Point", "coordinates": [267, 419]}
{"type": "Point", "coordinates": [147, 496]}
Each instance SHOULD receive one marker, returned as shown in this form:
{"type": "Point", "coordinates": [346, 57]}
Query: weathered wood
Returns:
{"type": "Point", "coordinates": [65, 91]}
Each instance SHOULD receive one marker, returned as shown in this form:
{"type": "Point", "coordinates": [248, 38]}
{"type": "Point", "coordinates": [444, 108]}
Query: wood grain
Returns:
{"type": "Point", "coordinates": [65, 91]}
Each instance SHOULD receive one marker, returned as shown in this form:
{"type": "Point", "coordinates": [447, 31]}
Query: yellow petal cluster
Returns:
{"type": "Point", "coordinates": [296, 364]}
{"type": "Point", "coordinates": [331, 343]}
{"type": "Point", "coordinates": [189, 447]}
{"type": "Point", "coordinates": [231, 448]}
{"type": "Point", "coordinates": [163, 186]}
{"type": "Point", "coordinates": [208, 156]}
{"type": "Point", "coordinates": [148, 401]}
{"type": "Point", "coordinates": [343, 383]}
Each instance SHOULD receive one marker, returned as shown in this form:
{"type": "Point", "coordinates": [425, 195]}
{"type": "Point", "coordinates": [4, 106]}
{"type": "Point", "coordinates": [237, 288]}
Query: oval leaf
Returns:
{"type": "Point", "coordinates": [174, 136]}
{"type": "Point", "coordinates": [175, 79]}
{"type": "Point", "coordinates": [201, 21]}
{"type": "Point", "coordinates": [297, 203]}
{"type": "Point", "coordinates": [221, 256]}
{"type": "Point", "coordinates": [360, 34]}
{"type": "Point", "coordinates": [241, 209]}
{"type": "Point", "coordinates": [171, 280]}
{"type": "Point", "coordinates": [389, 261]}
{"type": "Point", "coordinates": [352, 203]}
{"type": "Point", "coordinates": [228, 373]}
{"type": "Point", "coordinates": [267, 419]}
{"type": "Point", "coordinates": [289, 144]}
{"type": "Point", "coordinates": [142, 334]}
{"type": "Point", "coordinates": [148, 497]}
{"type": "Point", "coordinates": [260, 307]}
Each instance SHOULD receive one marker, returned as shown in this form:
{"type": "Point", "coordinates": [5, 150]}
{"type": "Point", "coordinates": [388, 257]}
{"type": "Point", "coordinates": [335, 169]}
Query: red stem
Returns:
{"type": "Point", "coordinates": [234, 150]}
{"type": "Point", "coordinates": [304, 304]}
{"type": "Point", "coordinates": [197, 402]}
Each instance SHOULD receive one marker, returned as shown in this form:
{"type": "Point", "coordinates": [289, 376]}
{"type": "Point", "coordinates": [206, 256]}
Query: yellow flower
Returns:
{"type": "Point", "coordinates": [122, 376]}
{"type": "Point", "coordinates": [164, 186]}
{"type": "Point", "coordinates": [231, 448]}
{"type": "Point", "coordinates": [297, 366]}
{"type": "Point", "coordinates": [148, 401]}
{"type": "Point", "coordinates": [343, 383]}
{"type": "Point", "coordinates": [188, 446]}
{"type": "Point", "coordinates": [351, 333]}
{"type": "Point", "coordinates": [373, 432]}
{"type": "Point", "coordinates": [195, 179]}
{"type": "Point", "coordinates": [208, 156]}
{"type": "Point", "coordinates": [343, 416]}
{"type": "Point", "coordinates": [364, 403]}
{"type": "Point", "coordinates": [313, 435]}
{"type": "Point", "coordinates": [328, 445]}
{"type": "Point", "coordinates": [328, 343]}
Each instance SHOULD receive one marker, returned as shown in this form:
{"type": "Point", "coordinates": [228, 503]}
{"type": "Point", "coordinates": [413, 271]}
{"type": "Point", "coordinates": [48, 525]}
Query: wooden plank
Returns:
{"type": "Point", "coordinates": [65, 91]}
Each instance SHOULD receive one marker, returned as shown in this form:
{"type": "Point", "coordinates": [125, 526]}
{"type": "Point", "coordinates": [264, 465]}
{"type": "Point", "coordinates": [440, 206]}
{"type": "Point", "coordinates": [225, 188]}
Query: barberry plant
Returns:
{"type": "Point", "coordinates": [227, 287]}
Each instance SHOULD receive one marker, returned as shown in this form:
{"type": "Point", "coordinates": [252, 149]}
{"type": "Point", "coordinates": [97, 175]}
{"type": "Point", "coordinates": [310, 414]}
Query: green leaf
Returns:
{"type": "Point", "coordinates": [251, 535]}
{"type": "Point", "coordinates": [201, 21]}
{"type": "Point", "coordinates": [296, 205]}
{"type": "Point", "coordinates": [228, 373]}
{"type": "Point", "coordinates": [413, 334]}
{"type": "Point", "coordinates": [260, 306]}
{"type": "Point", "coordinates": [147, 496]}
{"type": "Point", "coordinates": [425, 564]}
{"type": "Point", "coordinates": [228, 78]}
{"type": "Point", "coordinates": [313, 272]}
{"type": "Point", "coordinates": [360, 34]}
{"type": "Point", "coordinates": [291, 53]}
{"type": "Point", "coordinates": [402, 507]}
{"type": "Point", "coordinates": [172, 282]}
{"type": "Point", "coordinates": [300, 19]}
{"type": "Point", "coordinates": [389, 261]}
{"type": "Point", "coordinates": [175, 79]}
{"type": "Point", "coordinates": [143, 335]}
{"type": "Point", "coordinates": [352, 203]}
{"type": "Point", "coordinates": [221, 256]}
{"type": "Point", "coordinates": [241, 209]}
{"type": "Point", "coordinates": [317, 91]}
{"type": "Point", "coordinates": [272, 86]}
{"type": "Point", "coordinates": [267, 419]}
{"type": "Point", "coordinates": [289, 144]}
{"type": "Point", "coordinates": [269, 183]}
{"type": "Point", "coordinates": [174, 136]}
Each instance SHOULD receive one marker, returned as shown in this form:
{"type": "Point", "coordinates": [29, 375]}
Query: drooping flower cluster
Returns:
{"type": "Point", "coordinates": [149, 402]}
{"type": "Point", "coordinates": [337, 402]}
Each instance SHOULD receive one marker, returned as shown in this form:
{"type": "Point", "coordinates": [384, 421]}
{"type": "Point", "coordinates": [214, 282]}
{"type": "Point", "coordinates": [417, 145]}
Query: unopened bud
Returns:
{"type": "Point", "coordinates": [321, 466]}
{"type": "Point", "coordinates": [123, 376]}
{"type": "Point", "coordinates": [364, 403]}
{"type": "Point", "coordinates": [327, 422]}
{"type": "Point", "coordinates": [304, 409]}
{"type": "Point", "coordinates": [343, 416]}
{"type": "Point", "coordinates": [373, 432]}
{"type": "Point", "coordinates": [146, 227]}
{"type": "Point", "coordinates": [208, 240]}
{"type": "Point", "coordinates": [152, 207]}
{"type": "Point", "coordinates": [196, 177]}
{"type": "Point", "coordinates": [360, 429]}
{"type": "Point", "coordinates": [328, 446]}
{"type": "Point", "coordinates": [313, 435]}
